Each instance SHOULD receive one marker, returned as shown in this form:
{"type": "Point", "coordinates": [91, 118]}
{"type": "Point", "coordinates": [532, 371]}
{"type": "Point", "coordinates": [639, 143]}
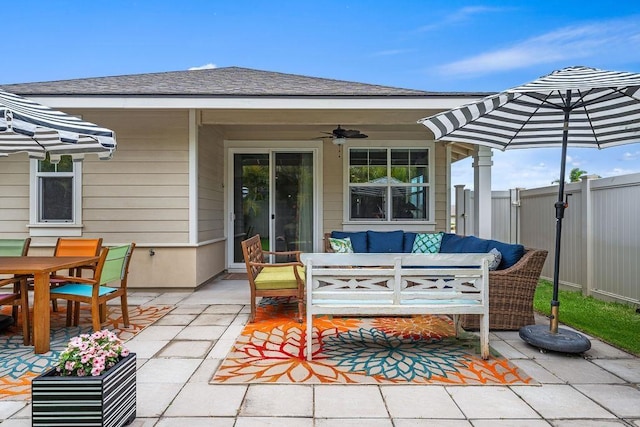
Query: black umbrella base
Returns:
{"type": "Point", "coordinates": [564, 341]}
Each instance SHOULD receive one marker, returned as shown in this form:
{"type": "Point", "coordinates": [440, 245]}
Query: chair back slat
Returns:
{"type": "Point", "coordinates": [116, 265]}
{"type": "Point", "coordinates": [77, 247]}
{"type": "Point", "coordinates": [14, 247]}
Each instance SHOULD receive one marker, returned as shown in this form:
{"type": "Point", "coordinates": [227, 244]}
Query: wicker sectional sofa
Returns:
{"type": "Point", "coordinates": [511, 286]}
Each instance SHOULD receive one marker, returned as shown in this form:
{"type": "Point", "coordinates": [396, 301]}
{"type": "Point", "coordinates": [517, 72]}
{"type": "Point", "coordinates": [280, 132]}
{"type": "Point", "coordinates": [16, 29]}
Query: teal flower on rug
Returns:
{"type": "Point", "coordinates": [377, 353]}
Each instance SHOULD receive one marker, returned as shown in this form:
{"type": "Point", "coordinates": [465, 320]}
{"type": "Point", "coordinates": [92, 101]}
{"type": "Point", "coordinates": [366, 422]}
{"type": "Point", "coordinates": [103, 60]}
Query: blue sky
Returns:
{"type": "Point", "coordinates": [449, 46]}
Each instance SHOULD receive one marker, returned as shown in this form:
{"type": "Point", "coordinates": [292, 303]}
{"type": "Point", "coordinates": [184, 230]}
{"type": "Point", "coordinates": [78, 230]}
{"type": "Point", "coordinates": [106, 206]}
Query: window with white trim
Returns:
{"type": "Point", "coordinates": [56, 191]}
{"type": "Point", "coordinates": [389, 184]}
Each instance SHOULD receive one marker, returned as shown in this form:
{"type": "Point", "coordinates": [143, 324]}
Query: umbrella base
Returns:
{"type": "Point", "coordinates": [564, 341]}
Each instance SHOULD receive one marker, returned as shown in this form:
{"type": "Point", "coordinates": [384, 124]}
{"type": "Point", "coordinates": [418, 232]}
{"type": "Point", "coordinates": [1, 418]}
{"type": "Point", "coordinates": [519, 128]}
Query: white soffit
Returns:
{"type": "Point", "coordinates": [110, 102]}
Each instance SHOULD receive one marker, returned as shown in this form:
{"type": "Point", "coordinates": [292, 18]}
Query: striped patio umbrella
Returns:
{"type": "Point", "coordinates": [575, 106]}
{"type": "Point", "coordinates": [29, 127]}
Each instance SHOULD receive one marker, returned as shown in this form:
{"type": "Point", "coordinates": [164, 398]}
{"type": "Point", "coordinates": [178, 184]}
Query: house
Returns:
{"type": "Point", "coordinates": [207, 157]}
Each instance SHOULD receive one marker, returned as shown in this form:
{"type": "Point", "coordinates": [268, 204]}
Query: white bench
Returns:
{"type": "Point", "coordinates": [397, 284]}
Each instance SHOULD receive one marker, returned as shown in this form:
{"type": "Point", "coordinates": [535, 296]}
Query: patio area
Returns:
{"type": "Point", "coordinates": [178, 355]}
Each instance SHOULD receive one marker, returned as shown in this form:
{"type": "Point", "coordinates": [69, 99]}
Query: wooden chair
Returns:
{"type": "Point", "coordinates": [19, 296]}
{"type": "Point", "coordinates": [112, 269]}
{"type": "Point", "coordinates": [74, 247]}
{"type": "Point", "coordinates": [272, 280]}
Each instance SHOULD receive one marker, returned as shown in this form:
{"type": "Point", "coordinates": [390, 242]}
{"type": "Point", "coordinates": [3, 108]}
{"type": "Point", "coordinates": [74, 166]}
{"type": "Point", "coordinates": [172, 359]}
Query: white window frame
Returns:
{"type": "Point", "coordinates": [71, 228]}
{"type": "Point", "coordinates": [388, 223]}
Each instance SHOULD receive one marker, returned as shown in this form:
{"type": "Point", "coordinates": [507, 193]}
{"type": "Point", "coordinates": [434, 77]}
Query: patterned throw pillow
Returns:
{"type": "Point", "coordinates": [427, 243]}
{"type": "Point", "coordinates": [497, 257]}
{"type": "Point", "coordinates": [341, 246]}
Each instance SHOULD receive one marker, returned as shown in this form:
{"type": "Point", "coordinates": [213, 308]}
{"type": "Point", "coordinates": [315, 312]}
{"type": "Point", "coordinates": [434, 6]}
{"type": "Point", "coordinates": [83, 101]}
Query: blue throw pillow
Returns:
{"type": "Point", "coordinates": [358, 239]}
{"type": "Point", "coordinates": [475, 245]}
{"type": "Point", "coordinates": [385, 241]}
{"type": "Point", "coordinates": [452, 243]}
{"type": "Point", "coordinates": [511, 253]}
{"type": "Point", "coordinates": [407, 244]}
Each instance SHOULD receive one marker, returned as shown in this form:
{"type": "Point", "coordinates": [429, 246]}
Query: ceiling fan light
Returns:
{"type": "Point", "coordinates": [339, 141]}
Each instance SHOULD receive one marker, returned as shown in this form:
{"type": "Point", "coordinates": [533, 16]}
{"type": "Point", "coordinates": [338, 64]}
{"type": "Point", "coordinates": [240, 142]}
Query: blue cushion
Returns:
{"type": "Point", "coordinates": [358, 239]}
{"type": "Point", "coordinates": [475, 245]}
{"type": "Point", "coordinates": [81, 289]}
{"type": "Point", "coordinates": [511, 253]}
{"type": "Point", "coordinates": [385, 241]}
{"type": "Point", "coordinates": [452, 243]}
{"type": "Point", "coordinates": [407, 244]}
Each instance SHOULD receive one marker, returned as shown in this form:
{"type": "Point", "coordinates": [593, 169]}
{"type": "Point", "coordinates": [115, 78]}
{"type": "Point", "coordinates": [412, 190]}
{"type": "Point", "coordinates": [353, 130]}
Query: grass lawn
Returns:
{"type": "Point", "coordinates": [615, 323]}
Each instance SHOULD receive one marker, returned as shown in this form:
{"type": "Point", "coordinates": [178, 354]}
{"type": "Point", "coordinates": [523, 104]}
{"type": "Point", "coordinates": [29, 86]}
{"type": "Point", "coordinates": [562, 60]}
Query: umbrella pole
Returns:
{"type": "Point", "coordinates": [560, 208]}
{"type": "Point", "coordinates": [555, 339]}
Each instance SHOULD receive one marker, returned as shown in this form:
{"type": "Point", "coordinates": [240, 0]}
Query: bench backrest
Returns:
{"type": "Point", "coordinates": [397, 279]}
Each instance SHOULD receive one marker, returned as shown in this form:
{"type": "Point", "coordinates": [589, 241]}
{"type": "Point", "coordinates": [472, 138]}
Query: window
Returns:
{"type": "Point", "coordinates": [389, 184]}
{"type": "Point", "coordinates": [56, 194]}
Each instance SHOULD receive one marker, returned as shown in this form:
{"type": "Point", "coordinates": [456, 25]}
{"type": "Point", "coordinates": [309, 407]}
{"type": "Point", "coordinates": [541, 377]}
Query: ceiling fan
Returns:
{"type": "Point", "coordinates": [341, 135]}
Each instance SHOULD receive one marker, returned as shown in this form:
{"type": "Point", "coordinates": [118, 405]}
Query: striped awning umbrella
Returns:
{"type": "Point", "coordinates": [29, 127]}
{"type": "Point", "coordinates": [575, 106]}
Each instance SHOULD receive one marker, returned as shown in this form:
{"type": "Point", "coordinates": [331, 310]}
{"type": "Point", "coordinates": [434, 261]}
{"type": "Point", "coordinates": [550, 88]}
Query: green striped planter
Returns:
{"type": "Point", "coordinates": [108, 400]}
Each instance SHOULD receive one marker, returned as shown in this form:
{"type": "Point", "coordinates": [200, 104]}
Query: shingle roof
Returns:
{"type": "Point", "coordinates": [228, 81]}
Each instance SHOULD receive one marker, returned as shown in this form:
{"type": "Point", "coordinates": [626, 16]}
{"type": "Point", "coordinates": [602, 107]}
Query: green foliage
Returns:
{"type": "Point", "coordinates": [615, 323]}
{"type": "Point", "coordinates": [576, 174]}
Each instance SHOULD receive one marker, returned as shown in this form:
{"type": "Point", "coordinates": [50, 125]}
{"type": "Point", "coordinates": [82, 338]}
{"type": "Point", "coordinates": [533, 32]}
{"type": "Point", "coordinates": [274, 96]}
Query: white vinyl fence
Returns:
{"type": "Point", "coordinates": [600, 253]}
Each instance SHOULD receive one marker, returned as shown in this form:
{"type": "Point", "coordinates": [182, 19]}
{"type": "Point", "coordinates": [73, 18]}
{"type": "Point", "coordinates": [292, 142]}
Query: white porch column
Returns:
{"type": "Point", "coordinates": [482, 191]}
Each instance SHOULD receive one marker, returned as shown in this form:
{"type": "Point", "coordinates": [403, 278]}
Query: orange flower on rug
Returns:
{"type": "Point", "coordinates": [369, 350]}
{"type": "Point", "coordinates": [19, 364]}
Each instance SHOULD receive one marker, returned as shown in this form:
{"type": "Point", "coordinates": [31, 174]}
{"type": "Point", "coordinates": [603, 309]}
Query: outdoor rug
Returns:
{"type": "Point", "coordinates": [368, 350]}
{"type": "Point", "coordinates": [19, 364]}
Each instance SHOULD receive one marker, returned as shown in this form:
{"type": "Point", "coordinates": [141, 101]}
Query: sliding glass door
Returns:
{"type": "Point", "coordinates": [273, 196]}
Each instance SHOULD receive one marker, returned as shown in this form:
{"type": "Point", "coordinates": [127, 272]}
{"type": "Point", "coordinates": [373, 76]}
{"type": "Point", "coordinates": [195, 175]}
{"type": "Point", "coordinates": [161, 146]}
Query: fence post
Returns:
{"type": "Point", "coordinates": [514, 215]}
{"type": "Point", "coordinates": [460, 209]}
{"type": "Point", "coordinates": [587, 234]}
{"type": "Point", "coordinates": [469, 213]}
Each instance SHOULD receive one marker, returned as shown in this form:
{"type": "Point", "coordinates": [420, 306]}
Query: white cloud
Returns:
{"type": "Point", "coordinates": [461, 15]}
{"type": "Point", "coordinates": [392, 52]}
{"type": "Point", "coordinates": [595, 41]}
{"type": "Point", "coordinates": [631, 156]}
{"type": "Point", "coordinates": [204, 67]}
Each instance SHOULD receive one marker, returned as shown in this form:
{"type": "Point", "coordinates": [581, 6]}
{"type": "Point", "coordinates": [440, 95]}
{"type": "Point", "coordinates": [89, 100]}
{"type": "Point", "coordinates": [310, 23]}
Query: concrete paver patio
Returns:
{"type": "Point", "coordinates": [178, 355]}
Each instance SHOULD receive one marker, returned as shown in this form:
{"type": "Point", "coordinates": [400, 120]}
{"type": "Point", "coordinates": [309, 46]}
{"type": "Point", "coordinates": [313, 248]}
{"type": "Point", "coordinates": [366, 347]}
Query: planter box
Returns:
{"type": "Point", "coordinates": [106, 400]}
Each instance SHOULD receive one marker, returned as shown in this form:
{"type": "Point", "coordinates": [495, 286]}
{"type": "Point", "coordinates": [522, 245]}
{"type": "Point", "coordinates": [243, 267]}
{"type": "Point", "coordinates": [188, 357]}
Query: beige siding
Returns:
{"type": "Point", "coordinates": [440, 189]}
{"type": "Point", "coordinates": [333, 188]}
{"type": "Point", "coordinates": [14, 196]}
{"type": "Point", "coordinates": [142, 194]}
{"type": "Point", "coordinates": [210, 184]}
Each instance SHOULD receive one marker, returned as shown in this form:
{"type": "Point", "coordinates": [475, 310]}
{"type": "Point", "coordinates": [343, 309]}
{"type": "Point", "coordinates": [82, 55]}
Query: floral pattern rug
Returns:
{"type": "Point", "coordinates": [368, 350]}
{"type": "Point", "coordinates": [19, 364]}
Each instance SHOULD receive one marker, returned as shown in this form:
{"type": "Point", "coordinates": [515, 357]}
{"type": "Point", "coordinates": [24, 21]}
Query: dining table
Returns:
{"type": "Point", "coordinates": [41, 267]}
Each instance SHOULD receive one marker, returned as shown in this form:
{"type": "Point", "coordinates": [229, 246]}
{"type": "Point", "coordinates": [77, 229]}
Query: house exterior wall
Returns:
{"type": "Point", "coordinates": [210, 184]}
{"type": "Point", "coordinates": [211, 250]}
{"type": "Point", "coordinates": [141, 195]}
{"type": "Point", "coordinates": [333, 190]}
{"type": "Point", "coordinates": [14, 196]}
